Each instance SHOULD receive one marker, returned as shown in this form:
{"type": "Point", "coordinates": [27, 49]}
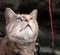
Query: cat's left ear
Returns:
{"type": "Point", "coordinates": [34, 14]}
{"type": "Point", "coordinates": [9, 14]}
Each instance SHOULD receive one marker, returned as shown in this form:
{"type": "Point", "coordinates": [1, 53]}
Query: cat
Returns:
{"type": "Point", "coordinates": [21, 33]}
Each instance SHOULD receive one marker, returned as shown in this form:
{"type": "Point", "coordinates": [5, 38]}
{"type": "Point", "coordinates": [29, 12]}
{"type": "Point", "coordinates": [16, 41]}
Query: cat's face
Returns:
{"type": "Point", "coordinates": [21, 27]}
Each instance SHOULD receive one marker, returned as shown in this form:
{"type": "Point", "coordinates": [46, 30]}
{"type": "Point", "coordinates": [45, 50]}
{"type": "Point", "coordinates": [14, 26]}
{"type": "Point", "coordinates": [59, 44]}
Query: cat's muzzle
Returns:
{"type": "Point", "coordinates": [26, 27]}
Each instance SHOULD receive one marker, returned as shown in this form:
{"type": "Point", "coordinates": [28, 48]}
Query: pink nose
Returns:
{"type": "Point", "coordinates": [28, 19]}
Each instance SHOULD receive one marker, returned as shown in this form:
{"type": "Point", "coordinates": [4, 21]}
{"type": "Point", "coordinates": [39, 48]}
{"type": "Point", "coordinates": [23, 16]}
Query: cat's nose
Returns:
{"type": "Point", "coordinates": [27, 20]}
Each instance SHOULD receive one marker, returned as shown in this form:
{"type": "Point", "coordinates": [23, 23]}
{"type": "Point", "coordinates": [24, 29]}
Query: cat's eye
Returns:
{"type": "Point", "coordinates": [18, 19]}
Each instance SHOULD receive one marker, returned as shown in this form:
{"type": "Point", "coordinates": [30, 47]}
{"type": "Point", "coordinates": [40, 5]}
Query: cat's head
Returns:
{"type": "Point", "coordinates": [21, 27]}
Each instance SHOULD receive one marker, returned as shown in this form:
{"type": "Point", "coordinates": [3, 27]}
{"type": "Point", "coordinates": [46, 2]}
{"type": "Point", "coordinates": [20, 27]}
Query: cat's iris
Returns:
{"type": "Point", "coordinates": [18, 19]}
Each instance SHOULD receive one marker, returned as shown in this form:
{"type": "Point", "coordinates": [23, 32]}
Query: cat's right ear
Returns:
{"type": "Point", "coordinates": [9, 14]}
{"type": "Point", "coordinates": [34, 14]}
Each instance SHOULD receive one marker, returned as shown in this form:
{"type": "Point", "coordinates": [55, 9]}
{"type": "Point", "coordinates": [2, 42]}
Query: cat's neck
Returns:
{"type": "Point", "coordinates": [15, 48]}
{"type": "Point", "coordinates": [26, 49]}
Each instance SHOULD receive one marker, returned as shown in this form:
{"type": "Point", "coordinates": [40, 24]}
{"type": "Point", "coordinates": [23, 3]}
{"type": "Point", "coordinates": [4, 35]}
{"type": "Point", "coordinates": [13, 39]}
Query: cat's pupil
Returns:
{"type": "Point", "coordinates": [18, 19]}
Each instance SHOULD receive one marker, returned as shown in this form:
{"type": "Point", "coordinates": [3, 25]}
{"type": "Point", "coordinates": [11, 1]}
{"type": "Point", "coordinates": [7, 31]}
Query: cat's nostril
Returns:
{"type": "Point", "coordinates": [26, 20]}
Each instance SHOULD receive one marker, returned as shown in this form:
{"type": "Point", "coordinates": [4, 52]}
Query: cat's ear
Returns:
{"type": "Point", "coordinates": [9, 14]}
{"type": "Point", "coordinates": [34, 14]}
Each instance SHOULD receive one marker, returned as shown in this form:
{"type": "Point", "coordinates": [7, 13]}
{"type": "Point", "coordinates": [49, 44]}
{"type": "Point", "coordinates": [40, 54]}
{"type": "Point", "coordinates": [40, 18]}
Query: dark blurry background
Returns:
{"type": "Point", "coordinates": [26, 6]}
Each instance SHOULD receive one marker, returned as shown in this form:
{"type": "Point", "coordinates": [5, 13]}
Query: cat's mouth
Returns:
{"type": "Point", "coordinates": [26, 27]}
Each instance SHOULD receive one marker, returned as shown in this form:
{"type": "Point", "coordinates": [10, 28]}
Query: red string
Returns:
{"type": "Point", "coordinates": [50, 12]}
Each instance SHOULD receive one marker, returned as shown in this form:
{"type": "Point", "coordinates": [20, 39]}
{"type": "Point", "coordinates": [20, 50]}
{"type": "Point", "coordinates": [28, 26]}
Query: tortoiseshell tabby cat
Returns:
{"type": "Point", "coordinates": [22, 31]}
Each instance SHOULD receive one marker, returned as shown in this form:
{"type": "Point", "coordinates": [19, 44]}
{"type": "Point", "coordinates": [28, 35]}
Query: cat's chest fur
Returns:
{"type": "Point", "coordinates": [22, 32]}
{"type": "Point", "coordinates": [10, 48]}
